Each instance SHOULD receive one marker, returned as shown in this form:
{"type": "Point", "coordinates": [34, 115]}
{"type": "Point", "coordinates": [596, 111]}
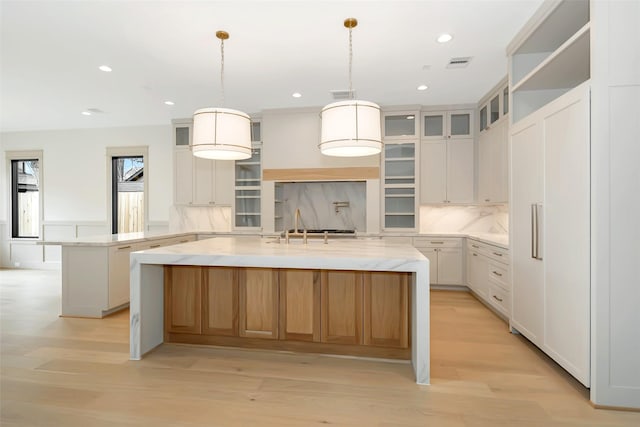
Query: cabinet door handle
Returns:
{"type": "Point", "coordinates": [497, 254]}
{"type": "Point", "coordinates": [183, 241]}
{"type": "Point", "coordinates": [475, 246]}
{"type": "Point", "coordinates": [496, 298]}
{"type": "Point", "coordinates": [437, 243]}
{"type": "Point", "coordinates": [496, 273]}
{"type": "Point", "coordinates": [154, 246]}
{"type": "Point", "coordinates": [474, 254]}
{"type": "Point", "coordinates": [124, 247]}
{"type": "Point", "coordinates": [487, 200]}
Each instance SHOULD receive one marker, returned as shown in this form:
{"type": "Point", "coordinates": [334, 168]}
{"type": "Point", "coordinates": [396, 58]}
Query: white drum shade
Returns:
{"type": "Point", "coordinates": [221, 134]}
{"type": "Point", "coordinates": [350, 129]}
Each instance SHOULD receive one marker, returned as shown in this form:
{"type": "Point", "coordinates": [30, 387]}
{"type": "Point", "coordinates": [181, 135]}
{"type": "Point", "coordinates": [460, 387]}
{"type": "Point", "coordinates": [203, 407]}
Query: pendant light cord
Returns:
{"type": "Point", "coordinates": [350, 62]}
{"type": "Point", "coordinates": [222, 70]}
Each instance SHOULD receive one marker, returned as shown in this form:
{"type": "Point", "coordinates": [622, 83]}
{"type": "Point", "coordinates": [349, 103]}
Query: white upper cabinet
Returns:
{"type": "Point", "coordinates": [493, 139]}
{"type": "Point", "coordinates": [197, 181]}
{"type": "Point", "coordinates": [447, 157]}
{"type": "Point", "coordinates": [447, 124]}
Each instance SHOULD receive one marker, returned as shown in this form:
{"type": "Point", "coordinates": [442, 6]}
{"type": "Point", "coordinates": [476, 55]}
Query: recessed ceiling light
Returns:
{"type": "Point", "coordinates": [423, 87]}
{"type": "Point", "coordinates": [443, 38]}
{"type": "Point", "coordinates": [105, 68]}
{"type": "Point", "coordinates": [86, 113]}
{"type": "Point", "coordinates": [169, 103]}
{"type": "Point", "coordinates": [296, 95]}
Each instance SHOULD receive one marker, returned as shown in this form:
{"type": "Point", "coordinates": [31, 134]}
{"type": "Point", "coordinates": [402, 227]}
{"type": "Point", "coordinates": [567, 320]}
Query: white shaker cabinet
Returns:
{"type": "Point", "coordinates": [197, 181]}
{"type": "Point", "coordinates": [550, 202]}
{"type": "Point", "coordinates": [447, 157]}
{"type": "Point", "coordinates": [493, 163]}
{"type": "Point", "coordinates": [445, 259]}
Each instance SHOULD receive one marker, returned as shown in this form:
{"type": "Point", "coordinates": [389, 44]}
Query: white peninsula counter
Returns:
{"type": "Point", "coordinates": [252, 262]}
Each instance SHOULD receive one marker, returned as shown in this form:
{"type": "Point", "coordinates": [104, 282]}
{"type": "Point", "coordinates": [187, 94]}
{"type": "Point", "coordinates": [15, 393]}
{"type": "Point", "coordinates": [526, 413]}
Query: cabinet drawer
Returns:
{"type": "Point", "coordinates": [435, 242]}
{"type": "Point", "coordinates": [499, 274]}
{"type": "Point", "coordinates": [500, 299]}
{"type": "Point", "coordinates": [493, 252]}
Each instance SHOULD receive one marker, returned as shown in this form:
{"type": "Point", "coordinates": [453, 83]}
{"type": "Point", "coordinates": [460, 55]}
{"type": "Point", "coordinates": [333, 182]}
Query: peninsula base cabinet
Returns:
{"type": "Point", "coordinates": [95, 278]}
{"type": "Point", "coordinates": [322, 311]}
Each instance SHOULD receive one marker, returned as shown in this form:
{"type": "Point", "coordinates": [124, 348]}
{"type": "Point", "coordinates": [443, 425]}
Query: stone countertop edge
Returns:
{"type": "Point", "coordinates": [500, 240]}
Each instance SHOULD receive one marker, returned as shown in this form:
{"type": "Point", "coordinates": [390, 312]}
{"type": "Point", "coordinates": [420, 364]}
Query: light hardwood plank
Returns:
{"type": "Point", "coordinates": [74, 372]}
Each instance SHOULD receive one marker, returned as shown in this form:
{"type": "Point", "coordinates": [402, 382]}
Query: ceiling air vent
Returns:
{"type": "Point", "coordinates": [341, 95]}
{"type": "Point", "coordinates": [460, 62]}
{"type": "Point", "coordinates": [95, 110]}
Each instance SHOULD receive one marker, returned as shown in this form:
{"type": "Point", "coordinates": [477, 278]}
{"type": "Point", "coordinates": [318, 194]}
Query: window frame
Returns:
{"type": "Point", "coordinates": [10, 157]}
{"type": "Point", "coordinates": [127, 151]}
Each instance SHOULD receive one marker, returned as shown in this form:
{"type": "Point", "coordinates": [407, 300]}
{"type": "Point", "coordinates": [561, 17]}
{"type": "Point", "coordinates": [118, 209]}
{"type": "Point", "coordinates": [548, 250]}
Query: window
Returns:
{"type": "Point", "coordinates": [127, 194]}
{"type": "Point", "coordinates": [25, 198]}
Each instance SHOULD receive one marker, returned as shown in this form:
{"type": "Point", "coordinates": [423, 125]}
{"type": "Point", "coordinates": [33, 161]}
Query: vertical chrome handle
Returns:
{"type": "Point", "coordinates": [534, 233]}
{"type": "Point", "coordinates": [539, 226]}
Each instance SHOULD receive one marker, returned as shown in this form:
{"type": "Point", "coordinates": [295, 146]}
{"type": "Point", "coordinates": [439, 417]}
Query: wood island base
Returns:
{"type": "Point", "coordinates": [358, 313]}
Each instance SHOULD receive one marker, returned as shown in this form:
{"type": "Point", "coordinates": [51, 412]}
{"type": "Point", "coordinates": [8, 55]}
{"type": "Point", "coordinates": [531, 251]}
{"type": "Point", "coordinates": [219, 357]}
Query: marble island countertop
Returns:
{"type": "Point", "coordinates": [501, 240]}
{"type": "Point", "coordinates": [341, 254]}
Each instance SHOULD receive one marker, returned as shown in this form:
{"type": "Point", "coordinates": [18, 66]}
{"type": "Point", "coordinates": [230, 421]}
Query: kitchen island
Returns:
{"type": "Point", "coordinates": [173, 291]}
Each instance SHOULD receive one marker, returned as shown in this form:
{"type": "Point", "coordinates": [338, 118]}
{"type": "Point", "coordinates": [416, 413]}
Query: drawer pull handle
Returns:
{"type": "Point", "coordinates": [497, 254]}
{"type": "Point", "coordinates": [124, 247]}
{"type": "Point", "coordinates": [475, 246]}
{"type": "Point", "coordinates": [154, 246]}
{"type": "Point", "coordinates": [437, 243]}
{"type": "Point", "coordinates": [497, 274]}
{"type": "Point", "coordinates": [474, 254]}
{"type": "Point", "coordinates": [183, 241]}
{"type": "Point", "coordinates": [497, 299]}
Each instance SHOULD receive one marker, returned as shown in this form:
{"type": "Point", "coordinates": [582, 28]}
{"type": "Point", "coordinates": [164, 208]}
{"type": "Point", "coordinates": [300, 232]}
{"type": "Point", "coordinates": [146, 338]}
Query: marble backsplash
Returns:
{"type": "Point", "coordinates": [460, 219]}
{"type": "Point", "coordinates": [199, 218]}
{"type": "Point", "coordinates": [336, 205]}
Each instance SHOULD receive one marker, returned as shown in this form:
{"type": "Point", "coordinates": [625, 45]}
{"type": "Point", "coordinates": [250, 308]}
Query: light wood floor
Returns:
{"type": "Point", "coordinates": [75, 372]}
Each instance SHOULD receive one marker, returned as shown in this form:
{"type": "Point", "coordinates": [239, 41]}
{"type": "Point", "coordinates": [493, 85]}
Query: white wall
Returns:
{"type": "Point", "coordinates": [75, 183]}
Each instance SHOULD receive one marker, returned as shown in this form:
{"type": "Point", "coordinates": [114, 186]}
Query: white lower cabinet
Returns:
{"type": "Point", "coordinates": [488, 274]}
{"type": "Point", "coordinates": [445, 259]}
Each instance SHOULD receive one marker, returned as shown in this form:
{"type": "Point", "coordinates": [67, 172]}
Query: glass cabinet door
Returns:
{"type": "Point", "coordinates": [400, 125]}
{"type": "Point", "coordinates": [248, 175]}
{"type": "Point", "coordinates": [495, 109]}
{"type": "Point", "coordinates": [433, 126]}
{"type": "Point", "coordinates": [460, 124]}
{"type": "Point", "coordinates": [400, 185]}
{"type": "Point", "coordinates": [505, 101]}
{"type": "Point", "coordinates": [483, 118]}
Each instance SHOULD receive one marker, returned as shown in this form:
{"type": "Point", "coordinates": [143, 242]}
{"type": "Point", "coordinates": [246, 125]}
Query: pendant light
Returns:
{"type": "Point", "coordinates": [350, 128]}
{"type": "Point", "coordinates": [221, 133]}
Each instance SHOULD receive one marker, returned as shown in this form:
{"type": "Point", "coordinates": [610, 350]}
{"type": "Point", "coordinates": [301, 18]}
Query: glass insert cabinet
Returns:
{"type": "Point", "coordinates": [248, 185]}
{"type": "Point", "coordinates": [399, 185]}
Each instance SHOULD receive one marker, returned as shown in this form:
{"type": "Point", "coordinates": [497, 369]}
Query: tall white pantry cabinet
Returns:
{"type": "Point", "coordinates": [574, 74]}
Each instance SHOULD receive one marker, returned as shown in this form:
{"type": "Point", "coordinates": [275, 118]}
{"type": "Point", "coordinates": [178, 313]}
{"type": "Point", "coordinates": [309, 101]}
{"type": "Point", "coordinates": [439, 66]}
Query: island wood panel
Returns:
{"type": "Point", "coordinates": [386, 309]}
{"type": "Point", "coordinates": [259, 300]}
{"type": "Point", "coordinates": [341, 307]}
{"type": "Point", "coordinates": [183, 299]}
{"type": "Point", "coordinates": [220, 301]}
{"type": "Point", "coordinates": [300, 305]}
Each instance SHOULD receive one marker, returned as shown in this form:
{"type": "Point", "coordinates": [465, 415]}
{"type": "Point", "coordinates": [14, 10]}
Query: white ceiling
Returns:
{"type": "Point", "coordinates": [167, 50]}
